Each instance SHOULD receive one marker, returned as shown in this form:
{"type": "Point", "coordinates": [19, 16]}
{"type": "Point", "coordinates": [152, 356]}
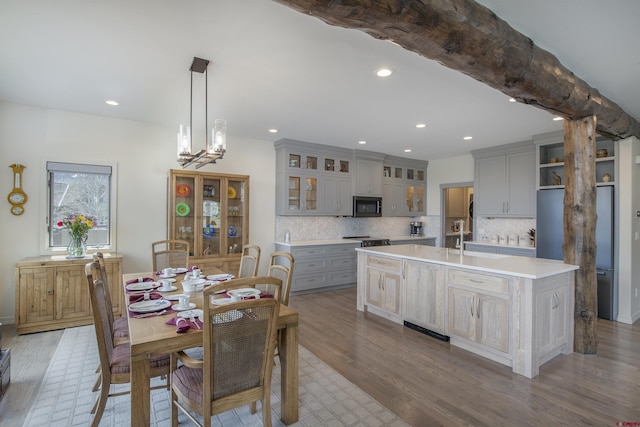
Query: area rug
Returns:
{"type": "Point", "coordinates": [326, 398]}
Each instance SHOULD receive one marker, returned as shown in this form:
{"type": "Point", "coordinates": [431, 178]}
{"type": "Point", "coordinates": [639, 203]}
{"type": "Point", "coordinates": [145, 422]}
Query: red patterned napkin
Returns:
{"type": "Point", "coordinates": [183, 325]}
{"type": "Point", "coordinates": [146, 279]}
{"type": "Point", "coordinates": [140, 296]}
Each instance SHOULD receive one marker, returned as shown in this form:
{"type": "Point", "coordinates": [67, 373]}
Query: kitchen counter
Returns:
{"type": "Point", "coordinates": [532, 268]}
{"type": "Point", "coordinates": [514, 310]}
{"type": "Point", "coordinates": [295, 243]}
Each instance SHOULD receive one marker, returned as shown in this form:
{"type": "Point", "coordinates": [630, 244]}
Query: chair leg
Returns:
{"type": "Point", "coordinates": [101, 402]}
{"type": "Point", "coordinates": [266, 410]}
{"type": "Point", "coordinates": [174, 409]}
{"type": "Point", "coordinates": [96, 385]}
{"type": "Point", "coordinates": [253, 407]}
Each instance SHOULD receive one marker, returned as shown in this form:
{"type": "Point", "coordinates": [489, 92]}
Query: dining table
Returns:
{"type": "Point", "coordinates": [150, 336]}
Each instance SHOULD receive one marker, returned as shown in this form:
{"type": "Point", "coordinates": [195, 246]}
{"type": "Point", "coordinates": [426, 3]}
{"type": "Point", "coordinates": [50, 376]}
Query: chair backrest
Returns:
{"type": "Point", "coordinates": [98, 258]}
{"type": "Point", "coordinates": [239, 342]}
{"type": "Point", "coordinates": [170, 253]}
{"type": "Point", "coordinates": [250, 261]}
{"type": "Point", "coordinates": [104, 330]}
{"type": "Point", "coordinates": [281, 267]}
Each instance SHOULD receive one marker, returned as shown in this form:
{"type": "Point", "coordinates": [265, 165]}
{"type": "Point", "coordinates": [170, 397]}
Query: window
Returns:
{"type": "Point", "coordinates": [79, 189]}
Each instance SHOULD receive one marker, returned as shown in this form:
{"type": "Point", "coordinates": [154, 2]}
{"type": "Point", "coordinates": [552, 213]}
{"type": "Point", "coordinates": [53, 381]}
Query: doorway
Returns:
{"type": "Point", "coordinates": [457, 204]}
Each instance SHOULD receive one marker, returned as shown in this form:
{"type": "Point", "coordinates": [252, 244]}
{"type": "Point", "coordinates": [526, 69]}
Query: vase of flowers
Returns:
{"type": "Point", "coordinates": [78, 226]}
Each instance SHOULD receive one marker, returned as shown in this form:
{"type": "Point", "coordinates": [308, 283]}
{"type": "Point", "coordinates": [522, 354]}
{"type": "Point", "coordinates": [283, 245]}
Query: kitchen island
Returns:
{"type": "Point", "coordinates": [514, 310]}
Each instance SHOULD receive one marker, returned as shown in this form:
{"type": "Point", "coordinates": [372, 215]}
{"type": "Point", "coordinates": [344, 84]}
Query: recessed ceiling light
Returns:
{"type": "Point", "coordinates": [112, 102]}
{"type": "Point", "coordinates": [557, 118]}
{"type": "Point", "coordinates": [421, 125]}
{"type": "Point", "coordinates": [467, 138]}
{"type": "Point", "coordinates": [273, 130]}
{"type": "Point", "coordinates": [407, 150]}
{"type": "Point", "coordinates": [384, 72]}
{"type": "Point", "coordinates": [512, 100]}
{"type": "Point", "coordinates": [362, 142]}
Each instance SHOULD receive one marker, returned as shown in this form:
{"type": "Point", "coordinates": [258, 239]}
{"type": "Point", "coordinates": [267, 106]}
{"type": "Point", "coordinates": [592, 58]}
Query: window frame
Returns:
{"type": "Point", "coordinates": [45, 206]}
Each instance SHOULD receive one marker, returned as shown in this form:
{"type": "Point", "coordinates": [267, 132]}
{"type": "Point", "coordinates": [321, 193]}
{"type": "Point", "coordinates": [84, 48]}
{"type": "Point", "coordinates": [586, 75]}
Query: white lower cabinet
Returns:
{"type": "Point", "coordinates": [515, 320]}
{"type": "Point", "coordinates": [480, 318]}
{"type": "Point", "coordinates": [552, 327]}
{"type": "Point", "coordinates": [424, 295]}
{"type": "Point", "coordinates": [479, 308]}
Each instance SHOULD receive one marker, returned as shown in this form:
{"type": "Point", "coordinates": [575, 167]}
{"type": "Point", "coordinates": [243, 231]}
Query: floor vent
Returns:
{"type": "Point", "coordinates": [427, 331]}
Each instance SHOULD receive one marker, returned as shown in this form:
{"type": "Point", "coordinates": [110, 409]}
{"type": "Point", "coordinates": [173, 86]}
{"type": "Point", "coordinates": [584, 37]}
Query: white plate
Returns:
{"type": "Point", "coordinates": [178, 307]}
{"type": "Point", "coordinates": [175, 297]}
{"type": "Point", "coordinates": [229, 316]}
{"type": "Point", "coordinates": [190, 313]}
{"type": "Point", "coordinates": [173, 288]}
{"type": "Point", "coordinates": [220, 277]}
{"type": "Point", "coordinates": [142, 286]}
{"type": "Point", "coordinates": [149, 306]}
{"type": "Point", "coordinates": [180, 270]}
{"type": "Point", "coordinates": [221, 301]}
{"type": "Point", "coordinates": [167, 277]}
{"type": "Point", "coordinates": [244, 292]}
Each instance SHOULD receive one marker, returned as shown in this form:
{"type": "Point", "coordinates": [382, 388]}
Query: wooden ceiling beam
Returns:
{"type": "Point", "coordinates": [466, 36]}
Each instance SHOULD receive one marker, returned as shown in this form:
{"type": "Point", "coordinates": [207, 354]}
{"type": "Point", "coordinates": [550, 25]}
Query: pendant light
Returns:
{"type": "Point", "coordinates": [216, 146]}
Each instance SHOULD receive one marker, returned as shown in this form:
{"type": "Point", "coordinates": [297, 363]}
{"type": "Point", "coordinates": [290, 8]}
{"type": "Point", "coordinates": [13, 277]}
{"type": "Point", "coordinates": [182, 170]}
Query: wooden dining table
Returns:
{"type": "Point", "coordinates": [150, 336]}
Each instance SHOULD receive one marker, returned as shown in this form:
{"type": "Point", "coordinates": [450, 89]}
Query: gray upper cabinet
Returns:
{"type": "Point", "coordinates": [316, 179]}
{"type": "Point", "coordinates": [505, 181]}
{"type": "Point", "coordinates": [404, 187]}
{"type": "Point", "coordinates": [368, 178]}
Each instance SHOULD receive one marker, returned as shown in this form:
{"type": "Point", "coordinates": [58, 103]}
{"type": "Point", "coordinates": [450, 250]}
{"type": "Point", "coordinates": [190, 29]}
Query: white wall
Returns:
{"type": "Point", "coordinates": [627, 183]}
{"type": "Point", "coordinates": [143, 152]}
{"type": "Point", "coordinates": [446, 171]}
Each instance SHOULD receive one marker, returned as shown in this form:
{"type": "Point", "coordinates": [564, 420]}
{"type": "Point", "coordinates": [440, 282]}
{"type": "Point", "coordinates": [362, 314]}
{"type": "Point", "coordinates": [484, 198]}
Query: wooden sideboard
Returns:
{"type": "Point", "coordinates": [52, 293]}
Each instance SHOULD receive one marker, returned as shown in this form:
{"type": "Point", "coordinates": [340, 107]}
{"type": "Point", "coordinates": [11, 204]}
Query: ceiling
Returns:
{"type": "Point", "coordinates": [272, 67]}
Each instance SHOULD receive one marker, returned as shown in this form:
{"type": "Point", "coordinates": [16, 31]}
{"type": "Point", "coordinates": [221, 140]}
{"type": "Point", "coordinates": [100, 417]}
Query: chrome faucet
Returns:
{"type": "Point", "coordinates": [460, 242]}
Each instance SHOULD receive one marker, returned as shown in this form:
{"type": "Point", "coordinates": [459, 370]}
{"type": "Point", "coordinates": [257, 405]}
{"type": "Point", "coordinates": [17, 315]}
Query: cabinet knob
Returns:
{"type": "Point", "coordinates": [50, 291]}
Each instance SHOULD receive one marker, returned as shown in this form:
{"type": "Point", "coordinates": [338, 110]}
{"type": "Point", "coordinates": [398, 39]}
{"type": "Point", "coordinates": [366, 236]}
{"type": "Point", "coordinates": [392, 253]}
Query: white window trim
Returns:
{"type": "Point", "coordinates": [44, 205]}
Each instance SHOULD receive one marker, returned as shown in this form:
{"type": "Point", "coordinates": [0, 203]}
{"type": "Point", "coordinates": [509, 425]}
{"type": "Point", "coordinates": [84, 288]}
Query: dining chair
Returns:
{"type": "Point", "coordinates": [281, 267]}
{"type": "Point", "coordinates": [170, 253]}
{"type": "Point", "coordinates": [239, 340]}
{"type": "Point", "coordinates": [250, 260]}
{"type": "Point", "coordinates": [119, 325]}
{"type": "Point", "coordinates": [115, 359]}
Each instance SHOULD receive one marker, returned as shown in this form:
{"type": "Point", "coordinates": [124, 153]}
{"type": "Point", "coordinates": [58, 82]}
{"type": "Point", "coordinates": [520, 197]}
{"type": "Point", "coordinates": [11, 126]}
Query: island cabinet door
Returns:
{"type": "Point", "coordinates": [493, 322]}
{"type": "Point", "coordinates": [462, 313]}
{"type": "Point", "coordinates": [383, 290]}
{"type": "Point", "coordinates": [552, 323]}
{"type": "Point", "coordinates": [424, 295]}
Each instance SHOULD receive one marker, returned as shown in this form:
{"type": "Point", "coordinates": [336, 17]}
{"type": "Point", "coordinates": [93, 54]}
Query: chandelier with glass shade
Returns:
{"type": "Point", "coordinates": [216, 144]}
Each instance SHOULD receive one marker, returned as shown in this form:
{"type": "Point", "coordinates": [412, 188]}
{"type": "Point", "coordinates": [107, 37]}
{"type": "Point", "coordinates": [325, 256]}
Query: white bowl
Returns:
{"type": "Point", "coordinates": [193, 285]}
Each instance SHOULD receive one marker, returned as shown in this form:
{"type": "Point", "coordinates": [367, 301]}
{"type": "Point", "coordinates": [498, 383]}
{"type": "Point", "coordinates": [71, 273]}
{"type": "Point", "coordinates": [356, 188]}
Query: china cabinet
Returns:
{"type": "Point", "coordinates": [52, 293]}
{"type": "Point", "coordinates": [504, 181]}
{"type": "Point", "coordinates": [211, 212]}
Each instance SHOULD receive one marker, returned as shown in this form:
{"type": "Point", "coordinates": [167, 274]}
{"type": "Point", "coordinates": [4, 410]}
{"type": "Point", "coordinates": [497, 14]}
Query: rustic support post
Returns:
{"type": "Point", "coordinates": [580, 217]}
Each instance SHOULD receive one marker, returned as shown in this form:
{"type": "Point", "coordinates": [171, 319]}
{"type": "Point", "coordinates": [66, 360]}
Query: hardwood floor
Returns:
{"type": "Point", "coordinates": [428, 382]}
{"type": "Point", "coordinates": [425, 381]}
{"type": "Point", "coordinates": [30, 357]}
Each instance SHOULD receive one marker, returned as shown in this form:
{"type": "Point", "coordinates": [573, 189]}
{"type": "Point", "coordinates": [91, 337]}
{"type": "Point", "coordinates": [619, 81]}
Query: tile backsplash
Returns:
{"type": "Point", "coordinates": [488, 227]}
{"type": "Point", "coordinates": [321, 227]}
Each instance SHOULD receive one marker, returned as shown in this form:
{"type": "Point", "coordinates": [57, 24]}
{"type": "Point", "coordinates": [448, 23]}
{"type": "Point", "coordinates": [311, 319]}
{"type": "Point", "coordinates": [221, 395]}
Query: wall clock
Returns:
{"type": "Point", "coordinates": [17, 197]}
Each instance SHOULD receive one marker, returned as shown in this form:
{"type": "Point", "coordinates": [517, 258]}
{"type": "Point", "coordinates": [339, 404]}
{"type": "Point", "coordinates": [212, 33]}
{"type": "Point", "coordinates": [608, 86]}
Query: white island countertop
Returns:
{"type": "Point", "coordinates": [532, 268]}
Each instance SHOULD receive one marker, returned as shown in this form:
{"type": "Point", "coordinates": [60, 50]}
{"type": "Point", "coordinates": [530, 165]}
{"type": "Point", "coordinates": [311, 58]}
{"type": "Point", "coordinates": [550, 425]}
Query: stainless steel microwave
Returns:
{"type": "Point", "coordinates": [367, 206]}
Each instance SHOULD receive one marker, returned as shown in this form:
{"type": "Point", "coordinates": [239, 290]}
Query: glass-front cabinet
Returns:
{"type": "Point", "coordinates": [211, 212]}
